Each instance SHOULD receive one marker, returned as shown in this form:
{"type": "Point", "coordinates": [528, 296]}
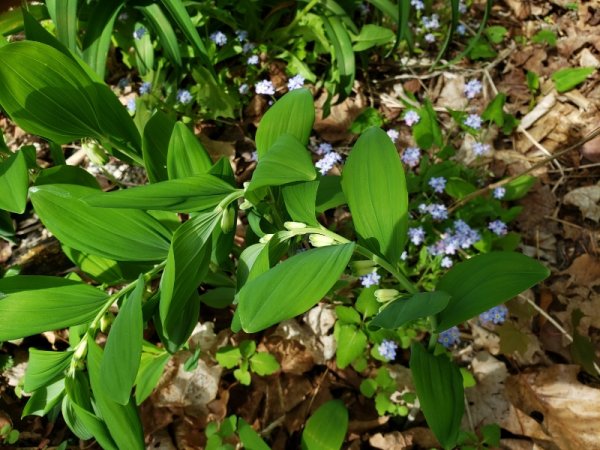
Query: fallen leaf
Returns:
{"type": "Point", "coordinates": [569, 410]}
{"type": "Point", "coordinates": [586, 198]}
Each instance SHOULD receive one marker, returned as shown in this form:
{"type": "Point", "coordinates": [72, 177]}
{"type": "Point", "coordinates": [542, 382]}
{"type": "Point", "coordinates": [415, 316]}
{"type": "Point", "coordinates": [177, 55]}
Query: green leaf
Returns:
{"type": "Point", "coordinates": [99, 268]}
{"type": "Point", "coordinates": [31, 304]}
{"type": "Point", "coordinates": [11, 21]}
{"type": "Point", "coordinates": [186, 156]}
{"type": "Point", "coordinates": [14, 181]}
{"type": "Point", "coordinates": [368, 387]}
{"type": "Point", "coordinates": [370, 117]}
{"type": "Point", "coordinates": [494, 111]}
{"type": "Point", "coordinates": [496, 33]}
{"type": "Point", "coordinates": [294, 114]}
{"type": "Point", "coordinates": [187, 265]}
{"type": "Point", "coordinates": [263, 363]}
{"type": "Point", "coordinates": [374, 184]}
{"type": "Point", "coordinates": [300, 199]}
{"type": "Point", "coordinates": [407, 309]}
{"type": "Point", "coordinates": [177, 10]}
{"type": "Point", "coordinates": [372, 35]}
{"type": "Point", "coordinates": [485, 281]}
{"type": "Point", "coordinates": [286, 162]}
{"type": "Point", "coordinates": [123, 349]}
{"type": "Point", "coordinates": [243, 376]}
{"type": "Point", "coordinates": [228, 356]}
{"type": "Point", "coordinates": [64, 15]}
{"type": "Point", "coordinates": [292, 287]}
{"type": "Point", "coordinates": [427, 131]}
{"type": "Point", "coordinates": [150, 371]}
{"type": "Point", "coordinates": [7, 229]}
{"type": "Point", "coordinates": [342, 52]}
{"type": "Point", "coordinates": [49, 94]}
{"type": "Point", "coordinates": [519, 187]}
{"type": "Point", "coordinates": [250, 438]}
{"type": "Point", "coordinates": [347, 315]}
{"type": "Point", "coordinates": [438, 384]}
{"type": "Point", "coordinates": [330, 194]}
{"type": "Point", "coordinates": [326, 428]}
{"type": "Point", "coordinates": [163, 28]}
{"type": "Point", "coordinates": [155, 145]}
{"type": "Point", "coordinates": [98, 33]}
{"type": "Point", "coordinates": [65, 174]}
{"type": "Point", "coordinates": [545, 37]}
{"type": "Point", "coordinates": [44, 399]}
{"type": "Point", "coordinates": [123, 422]}
{"type": "Point", "coordinates": [44, 368]}
{"type": "Point", "coordinates": [196, 193]}
{"type": "Point", "coordinates": [119, 234]}
{"type": "Point", "coordinates": [567, 79]}
{"type": "Point", "coordinates": [144, 51]}
{"type": "Point", "coordinates": [351, 343]}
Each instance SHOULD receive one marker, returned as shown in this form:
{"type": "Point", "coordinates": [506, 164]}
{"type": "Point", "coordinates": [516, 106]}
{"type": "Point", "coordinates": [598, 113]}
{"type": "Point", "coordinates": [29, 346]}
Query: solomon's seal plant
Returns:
{"type": "Point", "coordinates": [147, 249]}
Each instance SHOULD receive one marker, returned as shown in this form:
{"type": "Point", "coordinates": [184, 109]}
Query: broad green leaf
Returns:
{"type": "Point", "coordinates": [77, 389]}
{"type": "Point", "coordinates": [99, 28]}
{"type": "Point", "coordinates": [123, 349]}
{"type": "Point", "coordinates": [144, 51]}
{"type": "Point", "coordinates": [263, 363]}
{"type": "Point", "coordinates": [374, 184]}
{"type": "Point", "coordinates": [151, 369]}
{"type": "Point", "coordinates": [326, 428]}
{"type": "Point", "coordinates": [186, 156]}
{"type": "Point", "coordinates": [64, 16]}
{"type": "Point", "coordinates": [330, 194]}
{"type": "Point", "coordinates": [300, 200]}
{"type": "Point", "coordinates": [166, 34]}
{"type": "Point", "coordinates": [427, 131]}
{"type": "Point", "coordinates": [250, 438]}
{"type": "Point", "coordinates": [44, 91]}
{"type": "Point", "coordinates": [187, 265]}
{"type": "Point", "coordinates": [100, 269]}
{"type": "Point", "coordinates": [11, 21]}
{"type": "Point", "coordinates": [44, 399]}
{"type": "Point", "coordinates": [119, 234]}
{"type": "Point", "coordinates": [123, 422]}
{"type": "Point", "coordinates": [14, 181]}
{"type": "Point", "coordinates": [496, 33]}
{"type": "Point", "coordinates": [7, 228]}
{"type": "Point", "coordinates": [351, 343]}
{"type": "Point", "coordinates": [519, 187]}
{"type": "Point", "coordinates": [253, 255]}
{"type": "Point", "coordinates": [567, 79]}
{"type": "Point", "coordinates": [213, 96]}
{"type": "Point", "coordinates": [196, 193]}
{"type": "Point", "coordinates": [44, 368]}
{"type": "Point", "coordinates": [294, 114]}
{"type": "Point", "coordinates": [494, 111]}
{"type": "Point", "coordinates": [439, 387]}
{"type": "Point", "coordinates": [65, 174]}
{"type": "Point", "coordinates": [407, 309]}
{"type": "Point", "coordinates": [342, 53]}
{"type": "Point", "coordinates": [544, 36]}
{"type": "Point", "coordinates": [485, 281]}
{"type": "Point", "coordinates": [228, 356]}
{"type": "Point", "coordinates": [155, 145]}
{"type": "Point", "coordinates": [31, 304]}
{"type": "Point", "coordinates": [347, 314]}
{"type": "Point", "coordinates": [286, 162]}
{"type": "Point", "coordinates": [292, 287]}
{"type": "Point", "coordinates": [372, 35]}
{"type": "Point", "coordinates": [73, 421]}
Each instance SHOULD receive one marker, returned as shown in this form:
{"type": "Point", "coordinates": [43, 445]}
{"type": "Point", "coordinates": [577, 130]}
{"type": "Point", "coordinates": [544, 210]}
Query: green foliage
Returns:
{"type": "Point", "coordinates": [246, 359]}
{"type": "Point", "coordinates": [567, 79]}
{"type": "Point", "coordinates": [326, 428]}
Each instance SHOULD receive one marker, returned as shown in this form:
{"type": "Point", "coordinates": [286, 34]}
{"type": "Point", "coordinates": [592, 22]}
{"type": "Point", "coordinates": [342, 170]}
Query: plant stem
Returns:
{"type": "Point", "coordinates": [238, 193]}
{"type": "Point", "coordinates": [80, 348]}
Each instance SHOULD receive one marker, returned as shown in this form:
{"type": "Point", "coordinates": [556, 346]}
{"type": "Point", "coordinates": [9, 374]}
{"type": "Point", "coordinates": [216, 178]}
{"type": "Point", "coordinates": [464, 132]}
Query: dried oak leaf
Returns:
{"type": "Point", "coordinates": [570, 410]}
{"type": "Point", "coordinates": [586, 198]}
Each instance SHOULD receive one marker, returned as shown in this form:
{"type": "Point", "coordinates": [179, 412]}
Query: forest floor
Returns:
{"type": "Point", "coordinates": [528, 371]}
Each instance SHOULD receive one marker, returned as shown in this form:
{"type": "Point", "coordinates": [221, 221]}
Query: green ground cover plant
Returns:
{"type": "Point", "coordinates": [421, 255]}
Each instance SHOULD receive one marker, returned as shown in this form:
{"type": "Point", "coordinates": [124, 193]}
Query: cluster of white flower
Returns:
{"type": "Point", "coordinates": [265, 87]}
{"type": "Point", "coordinates": [326, 163]}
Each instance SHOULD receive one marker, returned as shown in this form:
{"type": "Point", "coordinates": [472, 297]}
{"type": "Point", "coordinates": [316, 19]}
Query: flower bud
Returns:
{"type": "Point", "coordinates": [363, 267]}
{"type": "Point", "coordinates": [246, 205]}
{"type": "Point", "coordinates": [227, 220]}
{"type": "Point", "coordinates": [386, 295]}
{"type": "Point", "coordinates": [266, 238]}
{"type": "Point", "coordinates": [80, 351]}
{"type": "Point", "coordinates": [106, 322]}
{"type": "Point", "coordinates": [294, 225]}
{"type": "Point", "coordinates": [94, 152]}
{"type": "Point", "coordinates": [318, 240]}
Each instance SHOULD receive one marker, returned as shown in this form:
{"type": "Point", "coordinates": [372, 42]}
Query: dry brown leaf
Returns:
{"type": "Point", "coordinates": [570, 410]}
{"type": "Point", "coordinates": [452, 95]}
{"type": "Point", "coordinates": [586, 198]}
{"type": "Point", "coordinates": [584, 271]}
{"type": "Point", "coordinates": [391, 441]}
{"type": "Point", "coordinates": [334, 128]}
